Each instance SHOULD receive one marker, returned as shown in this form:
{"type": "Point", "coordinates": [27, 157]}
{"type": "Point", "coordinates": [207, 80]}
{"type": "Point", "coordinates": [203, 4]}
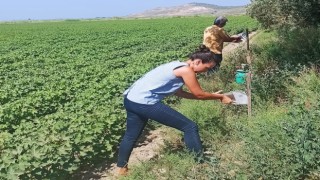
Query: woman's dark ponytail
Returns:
{"type": "Point", "coordinates": [203, 48]}
{"type": "Point", "coordinates": [203, 53]}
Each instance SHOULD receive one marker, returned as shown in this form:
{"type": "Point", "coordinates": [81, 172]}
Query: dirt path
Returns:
{"type": "Point", "coordinates": [147, 147]}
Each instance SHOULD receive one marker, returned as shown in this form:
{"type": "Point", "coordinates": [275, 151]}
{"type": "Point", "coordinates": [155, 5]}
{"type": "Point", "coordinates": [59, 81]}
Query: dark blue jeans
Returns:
{"type": "Point", "coordinates": [137, 118]}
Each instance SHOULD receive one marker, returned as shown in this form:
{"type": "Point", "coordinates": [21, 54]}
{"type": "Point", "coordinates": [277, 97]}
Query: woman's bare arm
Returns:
{"type": "Point", "coordinates": [190, 80]}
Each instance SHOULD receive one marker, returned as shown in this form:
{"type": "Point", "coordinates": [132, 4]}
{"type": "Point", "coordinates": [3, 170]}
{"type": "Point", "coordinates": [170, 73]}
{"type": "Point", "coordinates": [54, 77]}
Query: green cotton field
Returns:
{"type": "Point", "coordinates": [61, 85]}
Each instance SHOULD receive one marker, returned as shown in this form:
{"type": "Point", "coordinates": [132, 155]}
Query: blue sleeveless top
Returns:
{"type": "Point", "coordinates": [156, 84]}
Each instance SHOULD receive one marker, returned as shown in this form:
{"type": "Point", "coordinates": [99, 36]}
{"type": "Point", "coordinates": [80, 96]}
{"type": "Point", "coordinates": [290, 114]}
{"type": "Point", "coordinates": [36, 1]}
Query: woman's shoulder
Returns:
{"type": "Point", "coordinates": [183, 70]}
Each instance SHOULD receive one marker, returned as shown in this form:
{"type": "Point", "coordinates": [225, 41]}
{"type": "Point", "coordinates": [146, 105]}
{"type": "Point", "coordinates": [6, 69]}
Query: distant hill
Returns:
{"type": "Point", "coordinates": [191, 9]}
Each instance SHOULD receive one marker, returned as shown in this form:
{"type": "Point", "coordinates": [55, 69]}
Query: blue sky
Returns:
{"type": "Point", "coordinates": [73, 9]}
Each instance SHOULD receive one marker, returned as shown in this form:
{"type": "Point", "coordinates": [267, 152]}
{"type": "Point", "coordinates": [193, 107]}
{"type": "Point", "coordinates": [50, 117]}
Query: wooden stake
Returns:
{"type": "Point", "coordinates": [248, 77]}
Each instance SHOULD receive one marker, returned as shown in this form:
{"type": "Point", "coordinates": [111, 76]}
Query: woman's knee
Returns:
{"type": "Point", "coordinates": [191, 126]}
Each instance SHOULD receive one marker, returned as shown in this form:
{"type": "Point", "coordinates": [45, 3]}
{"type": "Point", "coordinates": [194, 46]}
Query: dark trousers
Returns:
{"type": "Point", "coordinates": [137, 118]}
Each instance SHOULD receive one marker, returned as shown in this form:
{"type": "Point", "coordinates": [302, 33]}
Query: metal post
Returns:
{"type": "Point", "coordinates": [248, 77]}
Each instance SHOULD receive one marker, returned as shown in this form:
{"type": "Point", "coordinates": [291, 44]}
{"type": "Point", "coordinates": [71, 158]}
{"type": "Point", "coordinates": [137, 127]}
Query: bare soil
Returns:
{"type": "Point", "coordinates": [147, 148]}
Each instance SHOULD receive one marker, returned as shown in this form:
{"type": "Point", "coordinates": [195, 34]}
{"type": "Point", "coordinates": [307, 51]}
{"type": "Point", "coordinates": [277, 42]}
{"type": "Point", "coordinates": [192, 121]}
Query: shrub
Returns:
{"type": "Point", "coordinates": [292, 141]}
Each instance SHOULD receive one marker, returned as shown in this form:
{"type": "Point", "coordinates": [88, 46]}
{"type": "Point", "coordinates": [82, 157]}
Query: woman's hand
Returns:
{"type": "Point", "coordinates": [226, 100]}
{"type": "Point", "coordinates": [218, 92]}
{"type": "Point", "coordinates": [236, 38]}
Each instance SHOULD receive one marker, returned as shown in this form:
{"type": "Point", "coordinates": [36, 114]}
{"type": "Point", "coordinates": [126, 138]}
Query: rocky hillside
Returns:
{"type": "Point", "coordinates": [191, 9]}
